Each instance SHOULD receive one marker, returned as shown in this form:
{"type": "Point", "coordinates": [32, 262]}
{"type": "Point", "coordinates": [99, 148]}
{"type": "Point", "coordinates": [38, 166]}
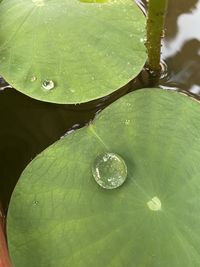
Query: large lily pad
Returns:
{"type": "Point", "coordinates": [59, 216]}
{"type": "Point", "coordinates": [87, 49]}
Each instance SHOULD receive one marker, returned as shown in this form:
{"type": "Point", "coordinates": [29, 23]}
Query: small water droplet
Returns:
{"type": "Point", "coordinates": [35, 202]}
{"type": "Point", "coordinates": [109, 170]}
{"type": "Point", "coordinates": [72, 91]}
{"type": "Point", "coordinates": [154, 204]}
{"type": "Point", "coordinates": [131, 35]}
{"type": "Point", "coordinates": [48, 85]}
{"type": "Point", "coordinates": [142, 40]}
{"type": "Point", "coordinates": [127, 122]}
{"type": "Point", "coordinates": [33, 78]}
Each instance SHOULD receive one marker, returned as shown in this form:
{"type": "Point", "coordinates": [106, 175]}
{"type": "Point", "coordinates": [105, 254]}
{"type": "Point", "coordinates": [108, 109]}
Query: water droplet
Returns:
{"type": "Point", "coordinates": [48, 85]}
{"type": "Point", "coordinates": [35, 202]}
{"type": "Point", "coordinates": [109, 170]}
{"type": "Point", "coordinates": [33, 78]}
{"type": "Point", "coordinates": [131, 35]}
{"type": "Point", "coordinates": [142, 40]}
{"type": "Point", "coordinates": [154, 204]}
{"type": "Point", "coordinates": [127, 122]}
{"type": "Point", "coordinates": [72, 91]}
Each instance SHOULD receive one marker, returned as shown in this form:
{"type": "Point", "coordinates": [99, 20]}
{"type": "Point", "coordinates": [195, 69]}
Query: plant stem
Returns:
{"type": "Point", "coordinates": [4, 257]}
{"type": "Point", "coordinates": [155, 30]}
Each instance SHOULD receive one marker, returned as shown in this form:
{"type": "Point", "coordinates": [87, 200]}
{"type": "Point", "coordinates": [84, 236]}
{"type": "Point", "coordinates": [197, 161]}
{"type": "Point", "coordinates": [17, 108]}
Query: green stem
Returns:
{"type": "Point", "coordinates": [155, 29]}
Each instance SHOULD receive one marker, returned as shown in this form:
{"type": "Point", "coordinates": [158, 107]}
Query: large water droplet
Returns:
{"type": "Point", "coordinates": [48, 85]}
{"type": "Point", "coordinates": [109, 170]}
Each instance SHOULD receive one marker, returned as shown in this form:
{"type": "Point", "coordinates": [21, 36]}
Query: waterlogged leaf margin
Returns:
{"type": "Point", "coordinates": [88, 50]}
{"type": "Point", "coordinates": [59, 216]}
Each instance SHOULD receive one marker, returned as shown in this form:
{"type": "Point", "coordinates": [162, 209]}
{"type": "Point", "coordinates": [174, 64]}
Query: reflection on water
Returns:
{"type": "Point", "coordinates": [29, 126]}
{"type": "Point", "coordinates": [181, 46]}
{"type": "Point", "coordinates": [185, 23]}
{"type": "Point", "coordinates": [184, 68]}
{"type": "Point", "coordinates": [176, 10]}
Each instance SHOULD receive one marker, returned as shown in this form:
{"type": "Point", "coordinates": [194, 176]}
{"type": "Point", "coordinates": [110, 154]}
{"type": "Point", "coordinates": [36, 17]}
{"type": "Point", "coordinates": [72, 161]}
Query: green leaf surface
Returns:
{"type": "Point", "coordinates": [60, 217]}
{"type": "Point", "coordinates": [88, 50]}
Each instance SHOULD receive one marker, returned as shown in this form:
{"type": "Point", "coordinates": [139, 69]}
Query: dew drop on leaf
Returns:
{"type": "Point", "coordinates": [48, 85]}
{"type": "Point", "coordinates": [127, 122]}
{"type": "Point", "coordinates": [33, 78]}
{"type": "Point", "coordinates": [35, 202]}
{"type": "Point", "coordinates": [109, 170]}
{"type": "Point", "coordinates": [154, 204]}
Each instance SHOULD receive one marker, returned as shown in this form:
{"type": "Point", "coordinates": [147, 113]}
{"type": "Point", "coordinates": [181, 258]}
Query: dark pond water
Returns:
{"type": "Point", "coordinates": [29, 126]}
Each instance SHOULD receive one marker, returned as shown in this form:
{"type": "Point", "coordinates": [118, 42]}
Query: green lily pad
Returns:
{"type": "Point", "coordinates": [60, 216]}
{"type": "Point", "coordinates": [88, 49]}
